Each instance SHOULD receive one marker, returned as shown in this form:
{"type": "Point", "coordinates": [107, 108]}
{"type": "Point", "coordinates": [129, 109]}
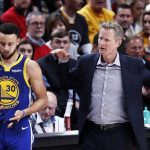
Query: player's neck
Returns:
{"type": "Point", "coordinates": [11, 60]}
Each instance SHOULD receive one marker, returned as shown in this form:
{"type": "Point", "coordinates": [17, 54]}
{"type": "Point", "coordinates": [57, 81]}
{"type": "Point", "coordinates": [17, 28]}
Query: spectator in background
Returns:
{"type": "Point", "coordinates": [137, 7]}
{"type": "Point", "coordinates": [95, 14]}
{"type": "Point", "coordinates": [76, 24]}
{"type": "Point", "coordinates": [45, 121]}
{"type": "Point", "coordinates": [124, 18]}
{"type": "Point", "coordinates": [53, 23]}
{"type": "Point", "coordinates": [17, 15]}
{"type": "Point", "coordinates": [135, 47]}
{"type": "Point", "coordinates": [26, 48]}
{"type": "Point", "coordinates": [35, 31]}
{"type": "Point", "coordinates": [146, 28]}
{"type": "Point", "coordinates": [60, 38]}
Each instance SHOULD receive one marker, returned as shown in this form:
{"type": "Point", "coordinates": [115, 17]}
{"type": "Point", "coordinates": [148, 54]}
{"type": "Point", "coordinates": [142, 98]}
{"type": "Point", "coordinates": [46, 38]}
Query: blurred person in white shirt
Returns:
{"type": "Point", "coordinates": [45, 120]}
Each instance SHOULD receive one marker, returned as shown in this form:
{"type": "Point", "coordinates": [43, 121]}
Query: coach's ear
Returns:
{"type": "Point", "coordinates": [119, 42]}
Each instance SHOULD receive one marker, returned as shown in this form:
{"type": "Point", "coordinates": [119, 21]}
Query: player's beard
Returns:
{"type": "Point", "coordinates": [7, 57]}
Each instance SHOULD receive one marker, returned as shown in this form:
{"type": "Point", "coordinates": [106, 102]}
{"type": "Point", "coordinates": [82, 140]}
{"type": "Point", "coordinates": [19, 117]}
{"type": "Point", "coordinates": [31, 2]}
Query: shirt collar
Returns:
{"type": "Point", "coordinates": [39, 119]}
{"type": "Point", "coordinates": [116, 61]}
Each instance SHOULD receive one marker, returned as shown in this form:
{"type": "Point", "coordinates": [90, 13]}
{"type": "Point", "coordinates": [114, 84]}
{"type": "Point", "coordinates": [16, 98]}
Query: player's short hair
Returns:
{"type": "Point", "coordinates": [9, 28]}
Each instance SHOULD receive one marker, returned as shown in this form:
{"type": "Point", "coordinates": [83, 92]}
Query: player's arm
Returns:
{"type": "Point", "coordinates": [34, 76]}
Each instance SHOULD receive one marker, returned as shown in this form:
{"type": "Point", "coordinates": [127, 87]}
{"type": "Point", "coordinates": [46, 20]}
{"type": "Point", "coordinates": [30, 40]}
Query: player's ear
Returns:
{"type": "Point", "coordinates": [18, 41]}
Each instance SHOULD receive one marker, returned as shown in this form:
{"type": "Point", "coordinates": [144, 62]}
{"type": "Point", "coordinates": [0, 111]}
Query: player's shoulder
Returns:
{"type": "Point", "coordinates": [31, 64]}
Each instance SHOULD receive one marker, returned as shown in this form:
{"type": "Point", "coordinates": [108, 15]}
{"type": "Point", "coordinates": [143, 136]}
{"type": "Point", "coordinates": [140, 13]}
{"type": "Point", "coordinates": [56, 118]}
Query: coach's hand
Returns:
{"type": "Point", "coordinates": [61, 54]}
{"type": "Point", "coordinates": [17, 116]}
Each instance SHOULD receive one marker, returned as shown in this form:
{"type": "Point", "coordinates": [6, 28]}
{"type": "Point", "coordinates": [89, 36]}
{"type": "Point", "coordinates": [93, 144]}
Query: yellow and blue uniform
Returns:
{"type": "Point", "coordinates": [15, 94]}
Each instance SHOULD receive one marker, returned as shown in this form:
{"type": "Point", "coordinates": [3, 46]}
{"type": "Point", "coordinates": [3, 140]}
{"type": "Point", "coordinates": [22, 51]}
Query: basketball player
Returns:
{"type": "Point", "coordinates": [18, 75]}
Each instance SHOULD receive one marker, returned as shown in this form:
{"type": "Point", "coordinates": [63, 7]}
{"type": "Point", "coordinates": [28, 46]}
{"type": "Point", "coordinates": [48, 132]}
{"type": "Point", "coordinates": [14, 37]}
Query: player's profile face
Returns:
{"type": "Point", "coordinates": [8, 43]}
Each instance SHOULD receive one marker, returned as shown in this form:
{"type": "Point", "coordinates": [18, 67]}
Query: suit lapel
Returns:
{"type": "Point", "coordinates": [92, 67]}
{"type": "Point", "coordinates": [91, 70]}
{"type": "Point", "coordinates": [127, 69]}
{"type": "Point", "coordinates": [124, 67]}
{"type": "Point", "coordinates": [127, 72]}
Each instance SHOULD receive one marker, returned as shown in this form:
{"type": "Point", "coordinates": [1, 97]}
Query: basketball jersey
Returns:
{"type": "Point", "coordinates": [15, 90]}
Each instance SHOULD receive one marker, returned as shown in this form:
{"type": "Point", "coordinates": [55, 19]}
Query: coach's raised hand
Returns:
{"type": "Point", "coordinates": [61, 54]}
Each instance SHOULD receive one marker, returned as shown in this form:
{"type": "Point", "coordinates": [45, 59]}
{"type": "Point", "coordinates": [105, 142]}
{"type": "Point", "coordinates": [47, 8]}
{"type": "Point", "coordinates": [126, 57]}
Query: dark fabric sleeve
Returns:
{"type": "Point", "coordinates": [85, 38]}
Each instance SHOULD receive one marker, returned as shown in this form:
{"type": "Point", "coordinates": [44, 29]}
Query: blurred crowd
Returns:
{"type": "Point", "coordinates": [73, 25]}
